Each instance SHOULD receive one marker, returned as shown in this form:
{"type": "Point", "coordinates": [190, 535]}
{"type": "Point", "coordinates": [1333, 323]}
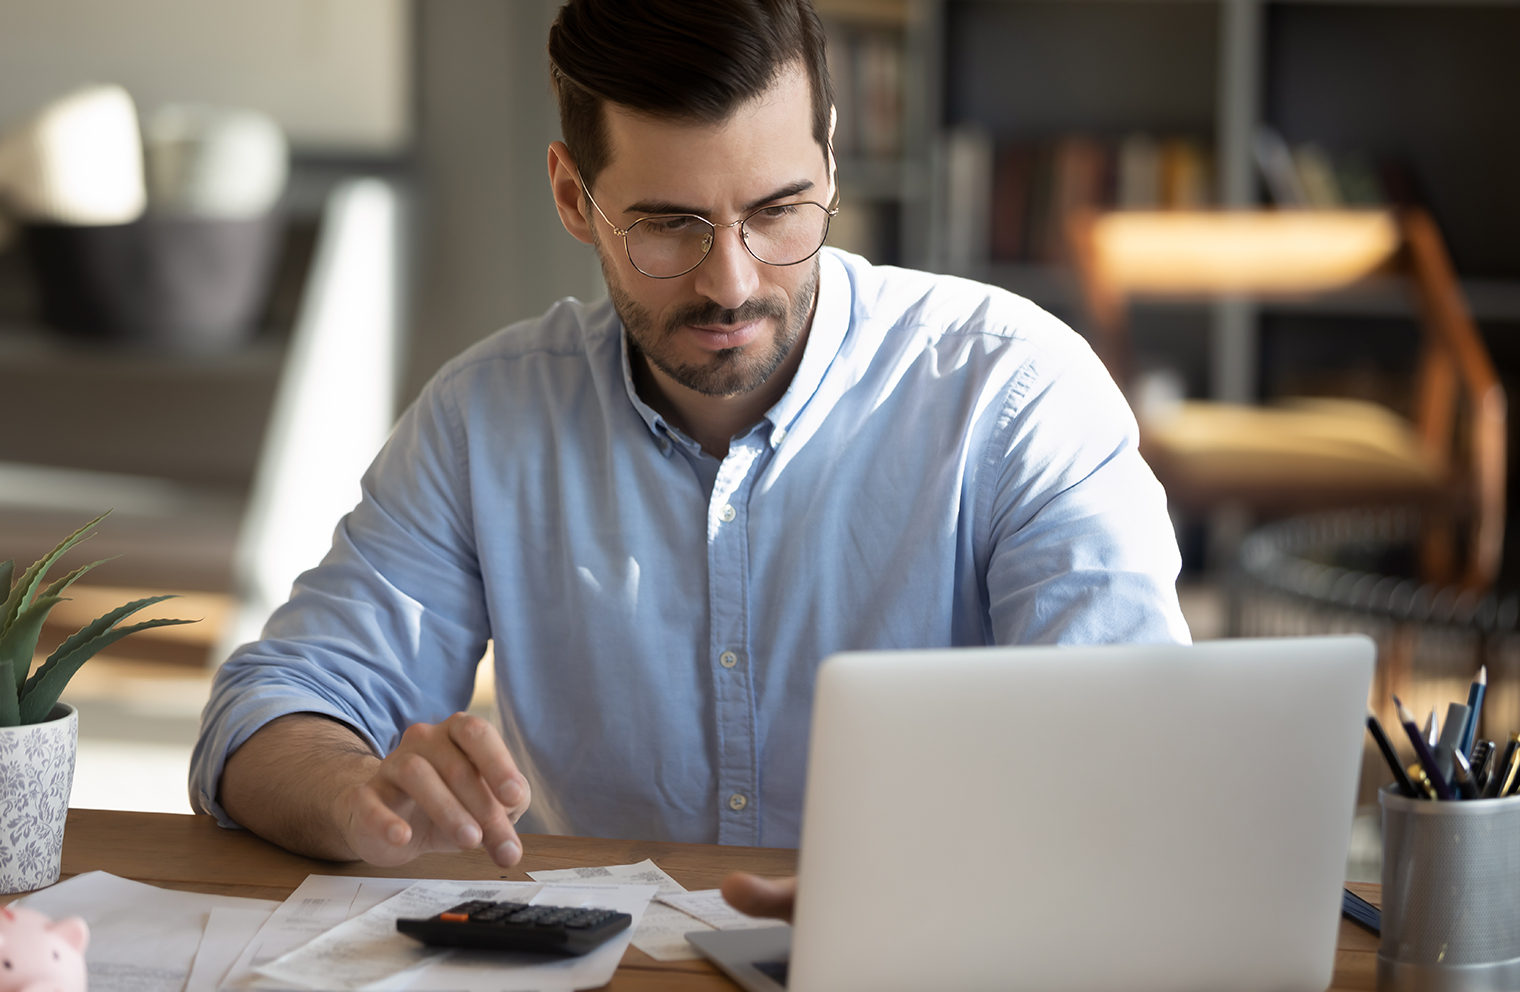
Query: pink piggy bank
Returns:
{"type": "Point", "coordinates": [39, 955]}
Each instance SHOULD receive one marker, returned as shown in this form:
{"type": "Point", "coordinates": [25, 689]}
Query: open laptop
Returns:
{"type": "Point", "coordinates": [1136, 817]}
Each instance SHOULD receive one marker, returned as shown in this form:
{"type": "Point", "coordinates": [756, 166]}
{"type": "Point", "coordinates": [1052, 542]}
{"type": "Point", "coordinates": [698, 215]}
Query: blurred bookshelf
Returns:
{"type": "Point", "coordinates": [871, 65]}
{"type": "Point", "coordinates": [1015, 111]}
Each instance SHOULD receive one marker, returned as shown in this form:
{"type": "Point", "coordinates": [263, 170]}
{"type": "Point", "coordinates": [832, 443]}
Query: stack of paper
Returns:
{"type": "Point", "coordinates": [338, 933]}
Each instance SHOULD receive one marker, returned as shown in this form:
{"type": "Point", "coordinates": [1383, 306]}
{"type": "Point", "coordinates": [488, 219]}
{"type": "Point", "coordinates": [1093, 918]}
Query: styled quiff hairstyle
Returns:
{"type": "Point", "coordinates": [688, 60]}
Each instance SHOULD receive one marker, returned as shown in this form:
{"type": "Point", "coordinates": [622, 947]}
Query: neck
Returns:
{"type": "Point", "coordinates": [712, 421]}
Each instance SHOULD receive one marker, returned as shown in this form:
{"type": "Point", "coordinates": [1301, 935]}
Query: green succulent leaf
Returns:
{"type": "Point", "coordinates": [42, 690]}
{"type": "Point", "coordinates": [23, 590]}
{"type": "Point", "coordinates": [57, 588]}
{"type": "Point", "coordinates": [10, 710]}
{"type": "Point", "coordinates": [7, 572]}
{"type": "Point", "coordinates": [101, 624]}
{"type": "Point", "coordinates": [19, 642]}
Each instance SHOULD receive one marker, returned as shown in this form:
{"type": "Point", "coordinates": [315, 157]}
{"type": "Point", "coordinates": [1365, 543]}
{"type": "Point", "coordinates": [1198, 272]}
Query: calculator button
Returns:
{"type": "Point", "coordinates": [455, 917]}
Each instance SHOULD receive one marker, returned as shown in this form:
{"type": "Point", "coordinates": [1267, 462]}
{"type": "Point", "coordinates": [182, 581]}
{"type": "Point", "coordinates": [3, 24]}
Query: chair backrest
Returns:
{"type": "Point", "coordinates": [1459, 404]}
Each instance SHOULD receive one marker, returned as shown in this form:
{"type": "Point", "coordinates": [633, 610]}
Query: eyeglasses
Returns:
{"type": "Point", "coordinates": [664, 246]}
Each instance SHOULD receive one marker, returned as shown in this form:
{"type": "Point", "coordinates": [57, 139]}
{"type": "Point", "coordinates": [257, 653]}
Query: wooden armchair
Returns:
{"type": "Point", "coordinates": [1308, 454]}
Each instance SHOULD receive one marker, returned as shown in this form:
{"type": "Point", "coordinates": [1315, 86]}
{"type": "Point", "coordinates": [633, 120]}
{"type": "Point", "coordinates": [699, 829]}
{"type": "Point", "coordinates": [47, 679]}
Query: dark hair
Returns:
{"type": "Point", "coordinates": [694, 60]}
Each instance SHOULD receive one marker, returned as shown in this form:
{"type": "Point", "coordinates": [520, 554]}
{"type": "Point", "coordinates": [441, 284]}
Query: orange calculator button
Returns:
{"type": "Point", "coordinates": [455, 917]}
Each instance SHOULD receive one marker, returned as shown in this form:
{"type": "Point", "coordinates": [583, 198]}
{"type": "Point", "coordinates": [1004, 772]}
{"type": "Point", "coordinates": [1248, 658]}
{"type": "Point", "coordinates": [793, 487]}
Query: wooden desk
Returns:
{"type": "Point", "coordinates": [192, 852]}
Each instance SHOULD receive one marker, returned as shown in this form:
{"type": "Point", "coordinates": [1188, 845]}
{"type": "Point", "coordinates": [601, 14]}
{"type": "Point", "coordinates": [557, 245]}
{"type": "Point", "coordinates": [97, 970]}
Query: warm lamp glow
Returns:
{"type": "Point", "coordinates": [1186, 252]}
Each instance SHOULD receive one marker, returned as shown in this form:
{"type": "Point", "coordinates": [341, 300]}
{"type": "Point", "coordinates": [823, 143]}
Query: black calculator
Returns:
{"type": "Point", "coordinates": [517, 926]}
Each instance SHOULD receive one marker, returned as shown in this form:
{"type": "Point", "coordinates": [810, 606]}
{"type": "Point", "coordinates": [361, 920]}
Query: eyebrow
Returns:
{"type": "Point", "coordinates": [647, 207]}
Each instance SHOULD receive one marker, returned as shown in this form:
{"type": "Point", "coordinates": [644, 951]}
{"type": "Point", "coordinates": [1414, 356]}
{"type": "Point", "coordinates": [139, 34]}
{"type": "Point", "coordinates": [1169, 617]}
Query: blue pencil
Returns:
{"type": "Point", "coordinates": [1422, 752]}
{"type": "Point", "coordinates": [1475, 694]}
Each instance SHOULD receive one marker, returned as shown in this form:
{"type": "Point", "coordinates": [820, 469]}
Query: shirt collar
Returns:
{"type": "Point", "coordinates": [831, 320]}
{"type": "Point", "coordinates": [665, 435]}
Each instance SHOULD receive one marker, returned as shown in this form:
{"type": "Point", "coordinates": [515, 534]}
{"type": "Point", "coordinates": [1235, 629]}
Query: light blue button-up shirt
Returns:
{"type": "Point", "coordinates": [950, 466]}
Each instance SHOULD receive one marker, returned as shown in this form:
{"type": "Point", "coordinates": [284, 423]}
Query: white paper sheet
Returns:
{"type": "Point", "coordinates": [368, 953]}
{"type": "Point", "coordinates": [662, 932]}
{"type": "Point", "coordinates": [316, 906]}
{"type": "Point", "coordinates": [709, 907]}
{"type": "Point", "coordinates": [228, 931]}
{"type": "Point", "coordinates": [473, 971]}
{"type": "Point", "coordinates": [142, 938]}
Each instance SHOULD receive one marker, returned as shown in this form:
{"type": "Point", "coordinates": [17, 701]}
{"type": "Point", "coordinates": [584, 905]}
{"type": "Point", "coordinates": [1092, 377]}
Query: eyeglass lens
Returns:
{"type": "Point", "coordinates": [672, 245]}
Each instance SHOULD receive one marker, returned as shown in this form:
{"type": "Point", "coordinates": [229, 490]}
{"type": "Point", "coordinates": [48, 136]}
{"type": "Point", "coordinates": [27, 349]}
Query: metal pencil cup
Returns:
{"type": "Point", "coordinates": [1451, 895]}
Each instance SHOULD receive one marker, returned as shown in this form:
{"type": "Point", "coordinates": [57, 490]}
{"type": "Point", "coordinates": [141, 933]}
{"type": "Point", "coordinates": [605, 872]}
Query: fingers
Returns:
{"type": "Point", "coordinates": [488, 783]}
{"type": "Point", "coordinates": [375, 832]}
{"type": "Point", "coordinates": [761, 896]}
{"type": "Point", "coordinates": [485, 749]}
{"type": "Point", "coordinates": [456, 783]}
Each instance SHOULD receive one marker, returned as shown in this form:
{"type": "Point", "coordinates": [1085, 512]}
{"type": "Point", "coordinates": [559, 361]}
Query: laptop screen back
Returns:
{"type": "Point", "coordinates": [1088, 818]}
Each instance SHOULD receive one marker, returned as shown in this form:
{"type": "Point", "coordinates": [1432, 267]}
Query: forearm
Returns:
{"type": "Point", "coordinates": [284, 783]}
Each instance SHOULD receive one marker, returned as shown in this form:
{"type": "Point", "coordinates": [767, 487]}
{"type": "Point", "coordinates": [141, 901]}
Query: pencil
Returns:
{"type": "Point", "coordinates": [1466, 787]}
{"type": "Point", "coordinates": [1475, 693]}
{"type": "Point", "coordinates": [1400, 777]}
{"type": "Point", "coordinates": [1501, 769]}
{"type": "Point", "coordinates": [1422, 752]}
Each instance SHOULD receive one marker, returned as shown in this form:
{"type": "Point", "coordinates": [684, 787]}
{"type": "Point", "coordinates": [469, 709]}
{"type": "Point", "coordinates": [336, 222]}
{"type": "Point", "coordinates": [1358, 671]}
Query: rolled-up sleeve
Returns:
{"type": "Point", "coordinates": [386, 631]}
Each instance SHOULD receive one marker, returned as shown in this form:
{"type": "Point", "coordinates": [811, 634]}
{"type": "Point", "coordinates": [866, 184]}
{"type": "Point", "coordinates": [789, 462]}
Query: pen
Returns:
{"type": "Point", "coordinates": [1451, 737]}
{"type": "Point", "coordinates": [1501, 768]}
{"type": "Point", "coordinates": [1422, 752]}
{"type": "Point", "coordinates": [1432, 728]}
{"type": "Point", "coordinates": [1389, 755]}
{"type": "Point", "coordinates": [1424, 790]}
{"type": "Point", "coordinates": [1482, 763]}
{"type": "Point", "coordinates": [1475, 693]}
{"type": "Point", "coordinates": [1463, 774]}
{"type": "Point", "coordinates": [1511, 766]}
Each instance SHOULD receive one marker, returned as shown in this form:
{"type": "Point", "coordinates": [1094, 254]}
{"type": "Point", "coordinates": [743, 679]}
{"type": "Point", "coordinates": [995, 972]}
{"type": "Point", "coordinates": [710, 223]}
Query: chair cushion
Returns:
{"type": "Point", "coordinates": [1309, 448]}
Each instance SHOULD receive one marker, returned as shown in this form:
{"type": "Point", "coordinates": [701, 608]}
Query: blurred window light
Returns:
{"type": "Point", "coordinates": [78, 160]}
{"type": "Point", "coordinates": [334, 407]}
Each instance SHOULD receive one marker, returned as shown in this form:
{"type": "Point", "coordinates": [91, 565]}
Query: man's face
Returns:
{"type": "Point", "coordinates": [725, 327]}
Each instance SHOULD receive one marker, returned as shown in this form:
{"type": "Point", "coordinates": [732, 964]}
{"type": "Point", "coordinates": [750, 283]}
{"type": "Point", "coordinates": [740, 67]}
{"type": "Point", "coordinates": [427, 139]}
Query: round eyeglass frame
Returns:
{"type": "Point", "coordinates": [623, 232]}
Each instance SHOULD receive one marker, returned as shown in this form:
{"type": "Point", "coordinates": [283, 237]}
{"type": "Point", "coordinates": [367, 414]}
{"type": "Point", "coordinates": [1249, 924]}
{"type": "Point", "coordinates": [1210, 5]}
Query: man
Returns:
{"type": "Point", "coordinates": [666, 509]}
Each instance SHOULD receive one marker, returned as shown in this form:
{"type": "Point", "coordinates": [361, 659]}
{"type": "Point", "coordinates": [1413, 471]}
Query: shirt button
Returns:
{"type": "Point", "coordinates": [727, 514]}
{"type": "Point", "coordinates": [737, 801]}
{"type": "Point", "coordinates": [778, 435]}
{"type": "Point", "coordinates": [728, 659]}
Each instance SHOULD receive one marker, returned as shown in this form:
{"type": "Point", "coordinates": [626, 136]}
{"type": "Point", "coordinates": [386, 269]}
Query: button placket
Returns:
{"type": "Point", "coordinates": [728, 592]}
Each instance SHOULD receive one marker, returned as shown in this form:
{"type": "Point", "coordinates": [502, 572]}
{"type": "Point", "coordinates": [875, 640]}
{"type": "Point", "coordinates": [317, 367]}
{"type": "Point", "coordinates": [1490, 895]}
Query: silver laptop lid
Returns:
{"type": "Point", "coordinates": [1089, 818]}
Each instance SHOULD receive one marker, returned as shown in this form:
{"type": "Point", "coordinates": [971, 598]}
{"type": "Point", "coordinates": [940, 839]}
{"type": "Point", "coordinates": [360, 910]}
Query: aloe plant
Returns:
{"type": "Point", "coordinates": [26, 699]}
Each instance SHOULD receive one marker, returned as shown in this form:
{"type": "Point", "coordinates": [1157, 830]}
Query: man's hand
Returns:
{"type": "Point", "coordinates": [447, 787]}
{"type": "Point", "coordinates": [311, 785]}
{"type": "Point", "coordinates": [758, 896]}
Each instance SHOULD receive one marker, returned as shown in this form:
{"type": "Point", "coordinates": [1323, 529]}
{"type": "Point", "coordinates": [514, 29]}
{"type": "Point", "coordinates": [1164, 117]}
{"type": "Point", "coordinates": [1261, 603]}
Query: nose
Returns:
{"type": "Point", "coordinates": [728, 275]}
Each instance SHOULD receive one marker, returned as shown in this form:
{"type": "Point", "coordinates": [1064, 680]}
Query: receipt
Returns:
{"type": "Point", "coordinates": [709, 907]}
{"type": "Point", "coordinates": [662, 932]}
{"type": "Point", "coordinates": [367, 952]}
{"type": "Point", "coordinates": [320, 903]}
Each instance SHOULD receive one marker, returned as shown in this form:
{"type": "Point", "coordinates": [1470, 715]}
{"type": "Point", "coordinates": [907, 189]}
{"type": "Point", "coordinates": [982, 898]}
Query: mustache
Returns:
{"type": "Point", "coordinates": [709, 312]}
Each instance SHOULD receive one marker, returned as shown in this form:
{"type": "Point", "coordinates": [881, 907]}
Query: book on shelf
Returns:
{"type": "Point", "coordinates": [866, 67]}
{"type": "Point", "coordinates": [1309, 176]}
{"type": "Point", "coordinates": [1037, 184]}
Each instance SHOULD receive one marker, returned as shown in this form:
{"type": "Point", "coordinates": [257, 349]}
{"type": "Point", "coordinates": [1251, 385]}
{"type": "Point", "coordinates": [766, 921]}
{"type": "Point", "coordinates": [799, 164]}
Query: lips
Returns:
{"type": "Point", "coordinates": [720, 337]}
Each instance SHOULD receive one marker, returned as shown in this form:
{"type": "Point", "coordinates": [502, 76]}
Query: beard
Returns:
{"type": "Point", "coordinates": [732, 371]}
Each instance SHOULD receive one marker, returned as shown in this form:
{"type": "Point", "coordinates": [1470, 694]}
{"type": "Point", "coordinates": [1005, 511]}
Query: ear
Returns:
{"type": "Point", "coordinates": [74, 931]}
{"type": "Point", "coordinates": [833, 167]}
{"type": "Point", "coordinates": [564, 180]}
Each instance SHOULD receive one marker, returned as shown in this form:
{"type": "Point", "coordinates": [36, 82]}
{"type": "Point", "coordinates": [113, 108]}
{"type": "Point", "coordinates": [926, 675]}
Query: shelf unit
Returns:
{"type": "Point", "coordinates": [1428, 81]}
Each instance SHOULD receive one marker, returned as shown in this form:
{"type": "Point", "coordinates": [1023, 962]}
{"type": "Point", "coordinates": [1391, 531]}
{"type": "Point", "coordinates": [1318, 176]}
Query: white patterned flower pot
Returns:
{"type": "Point", "coordinates": [36, 774]}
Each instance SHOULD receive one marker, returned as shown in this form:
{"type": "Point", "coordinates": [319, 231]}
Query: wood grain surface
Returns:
{"type": "Point", "coordinates": [193, 853]}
